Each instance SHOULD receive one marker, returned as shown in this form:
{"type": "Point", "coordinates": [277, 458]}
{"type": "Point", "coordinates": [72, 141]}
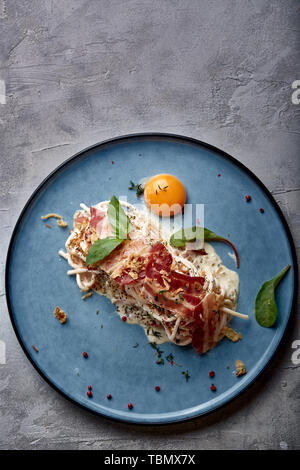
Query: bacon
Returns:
{"type": "Point", "coordinates": [79, 219]}
{"type": "Point", "coordinates": [146, 272]}
{"type": "Point", "coordinates": [208, 324]}
{"type": "Point", "coordinates": [98, 219]}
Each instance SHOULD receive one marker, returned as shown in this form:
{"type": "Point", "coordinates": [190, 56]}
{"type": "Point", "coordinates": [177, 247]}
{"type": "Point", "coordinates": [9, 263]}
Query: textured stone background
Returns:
{"type": "Point", "coordinates": [80, 71]}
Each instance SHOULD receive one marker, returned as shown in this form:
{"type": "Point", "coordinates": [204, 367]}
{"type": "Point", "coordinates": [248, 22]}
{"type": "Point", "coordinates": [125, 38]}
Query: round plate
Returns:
{"type": "Point", "coordinates": [121, 362]}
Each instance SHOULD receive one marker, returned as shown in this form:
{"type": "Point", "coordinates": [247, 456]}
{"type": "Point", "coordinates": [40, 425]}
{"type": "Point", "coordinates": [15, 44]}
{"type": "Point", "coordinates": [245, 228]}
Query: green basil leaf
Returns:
{"type": "Point", "coordinates": [118, 219]}
{"type": "Point", "coordinates": [102, 248]}
{"type": "Point", "coordinates": [265, 304]}
{"type": "Point", "coordinates": [183, 236]}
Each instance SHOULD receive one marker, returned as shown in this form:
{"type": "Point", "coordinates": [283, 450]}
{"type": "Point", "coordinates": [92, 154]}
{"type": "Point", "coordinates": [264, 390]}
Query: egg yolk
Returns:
{"type": "Point", "coordinates": [165, 195]}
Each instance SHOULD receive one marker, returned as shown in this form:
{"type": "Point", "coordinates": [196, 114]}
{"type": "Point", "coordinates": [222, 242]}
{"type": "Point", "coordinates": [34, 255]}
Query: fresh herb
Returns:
{"type": "Point", "coordinates": [118, 219]}
{"type": "Point", "coordinates": [161, 189]}
{"type": "Point", "coordinates": [170, 357]}
{"type": "Point", "coordinates": [160, 361]}
{"type": "Point", "coordinates": [159, 353]}
{"type": "Point", "coordinates": [120, 223]}
{"type": "Point", "coordinates": [183, 236]}
{"type": "Point", "coordinates": [186, 374]}
{"type": "Point", "coordinates": [102, 248]}
{"type": "Point", "coordinates": [181, 297]}
{"type": "Point", "coordinates": [136, 346]}
{"type": "Point", "coordinates": [265, 304]}
{"type": "Point", "coordinates": [138, 188]}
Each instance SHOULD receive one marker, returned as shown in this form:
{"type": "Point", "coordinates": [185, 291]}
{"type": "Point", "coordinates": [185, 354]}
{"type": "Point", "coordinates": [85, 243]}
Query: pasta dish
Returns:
{"type": "Point", "coordinates": [176, 294]}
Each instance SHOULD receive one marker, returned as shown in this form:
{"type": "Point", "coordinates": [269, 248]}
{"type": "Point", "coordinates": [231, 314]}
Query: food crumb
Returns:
{"type": "Point", "coordinates": [48, 225]}
{"type": "Point", "coordinates": [240, 368]}
{"type": "Point", "coordinates": [60, 315]}
{"type": "Point", "coordinates": [89, 294]}
{"type": "Point", "coordinates": [231, 334]}
{"type": "Point", "coordinates": [62, 223]}
{"type": "Point", "coordinates": [51, 215]}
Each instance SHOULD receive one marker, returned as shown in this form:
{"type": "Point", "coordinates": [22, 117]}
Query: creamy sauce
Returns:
{"type": "Point", "coordinates": [217, 274]}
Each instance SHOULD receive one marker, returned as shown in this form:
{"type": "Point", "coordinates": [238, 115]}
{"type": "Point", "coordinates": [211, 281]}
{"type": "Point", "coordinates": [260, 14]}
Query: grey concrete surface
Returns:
{"type": "Point", "coordinates": [80, 71]}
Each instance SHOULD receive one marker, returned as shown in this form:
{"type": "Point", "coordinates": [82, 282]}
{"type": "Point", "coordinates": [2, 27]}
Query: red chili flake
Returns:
{"type": "Point", "coordinates": [89, 387]}
{"type": "Point", "coordinates": [89, 394]}
{"type": "Point", "coordinates": [36, 349]}
{"type": "Point", "coordinates": [261, 210]}
{"type": "Point", "coordinates": [181, 323]}
{"type": "Point", "coordinates": [124, 318]}
{"type": "Point", "coordinates": [211, 373]}
{"type": "Point", "coordinates": [108, 396]}
{"type": "Point", "coordinates": [248, 198]}
{"type": "Point", "coordinates": [112, 162]}
{"type": "Point", "coordinates": [213, 388]}
{"type": "Point", "coordinates": [157, 388]}
{"type": "Point", "coordinates": [172, 362]}
{"type": "Point", "coordinates": [130, 406]}
{"type": "Point", "coordinates": [219, 174]}
{"type": "Point", "coordinates": [202, 252]}
{"type": "Point", "coordinates": [48, 225]}
{"type": "Point", "coordinates": [85, 355]}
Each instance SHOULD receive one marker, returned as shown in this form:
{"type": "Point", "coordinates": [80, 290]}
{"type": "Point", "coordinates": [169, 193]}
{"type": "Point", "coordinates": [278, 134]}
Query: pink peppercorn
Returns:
{"type": "Point", "coordinates": [89, 394]}
{"type": "Point", "coordinates": [108, 396]}
{"type": "Point", "coordinates": [112, 162]}
{"type": "Point", "coordinates": [89, 387]}
{"type": "Point", "coordinates": [85, 355]}
{"type": "Point", "coordinates": [130, 406]}
{"type": "Point", "coordinates": [261, 210]}
{"type": "Point", "coordinates": [248, 198]}
{"type": "Point", "coordinates": [213, 388]}
{"type": "Point", "coordinates": [124, 318]}
{"type": "Point", "coordinates": [211, 373]}
{"type": "Point", "coordinates": [157, 388]}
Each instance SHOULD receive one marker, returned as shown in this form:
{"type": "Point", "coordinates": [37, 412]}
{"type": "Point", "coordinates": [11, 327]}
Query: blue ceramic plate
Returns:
{"type": "Point", "coordinates": [36, 281]}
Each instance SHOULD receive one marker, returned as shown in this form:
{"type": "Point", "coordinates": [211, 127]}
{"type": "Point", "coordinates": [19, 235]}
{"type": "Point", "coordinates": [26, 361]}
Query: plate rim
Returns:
{"type": "Point", "coordinates": [100, 145]}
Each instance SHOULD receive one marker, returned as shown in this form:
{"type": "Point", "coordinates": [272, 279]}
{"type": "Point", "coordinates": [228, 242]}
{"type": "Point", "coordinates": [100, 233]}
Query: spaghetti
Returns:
{"type": "Point", "coordinates": [175, 294]}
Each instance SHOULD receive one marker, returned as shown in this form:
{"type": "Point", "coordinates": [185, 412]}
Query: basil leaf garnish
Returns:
{"type": "Point", "coordinates": [102, 248]}
{"type": "Point", "coordinates": [120, 223]}
{"type": "Point", "coordinates": [185, 235]}
{"type": "Point", "coordinates": [118, 219]}
{"type": "Point", "coordinates": [265, 304]}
